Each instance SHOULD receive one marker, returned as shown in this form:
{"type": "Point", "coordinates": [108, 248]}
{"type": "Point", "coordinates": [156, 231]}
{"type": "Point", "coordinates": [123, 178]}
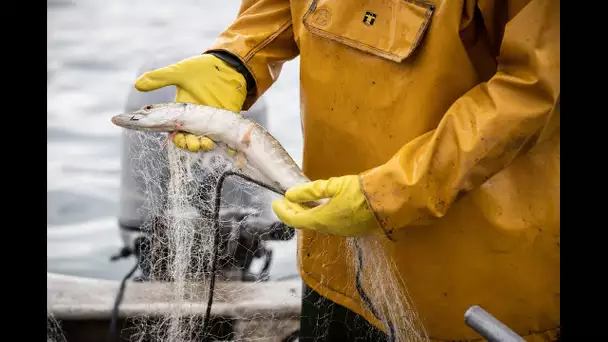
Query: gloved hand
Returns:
{"type": "Point", "coordinates": [205, 80]}
{"type": "Point", "coordinates": [346, 213]}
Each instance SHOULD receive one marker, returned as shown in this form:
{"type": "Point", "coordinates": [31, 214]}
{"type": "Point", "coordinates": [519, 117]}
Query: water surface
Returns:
{"type": "Point", "coordinates": [94, 51]}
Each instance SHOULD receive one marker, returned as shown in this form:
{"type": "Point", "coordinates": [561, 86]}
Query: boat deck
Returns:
{"type": "Point", "coordinates": [267, 311]}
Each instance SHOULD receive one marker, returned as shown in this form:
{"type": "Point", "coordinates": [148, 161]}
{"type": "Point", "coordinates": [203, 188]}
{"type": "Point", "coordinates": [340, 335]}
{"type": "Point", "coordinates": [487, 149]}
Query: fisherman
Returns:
{"type": "Point", "coordinates": [433, 124]}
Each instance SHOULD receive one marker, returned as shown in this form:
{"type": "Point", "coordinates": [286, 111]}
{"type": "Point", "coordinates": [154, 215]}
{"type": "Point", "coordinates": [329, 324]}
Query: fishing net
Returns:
{"type": "Point", "coordinates": [53, 329]}
{"type": "Point", "coordinates": [180, 223]}
{"type": "Point", "coordinates": [180, 213]}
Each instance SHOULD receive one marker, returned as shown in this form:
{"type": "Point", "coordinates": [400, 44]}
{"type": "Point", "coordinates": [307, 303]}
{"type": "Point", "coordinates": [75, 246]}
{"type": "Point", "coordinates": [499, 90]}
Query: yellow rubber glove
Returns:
{"type": "Point", "coordinates": [346, 213]}
{"type": "Point", "coordinates": [205, 80]}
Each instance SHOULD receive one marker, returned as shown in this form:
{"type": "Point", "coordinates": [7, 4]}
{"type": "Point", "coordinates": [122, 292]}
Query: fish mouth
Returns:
{"type": "Point", "coordinates": [127, 120]}
{"type": "Point", "coordinates": [116, 120]}
{"type": "Point", "coordinates": [121, 120]}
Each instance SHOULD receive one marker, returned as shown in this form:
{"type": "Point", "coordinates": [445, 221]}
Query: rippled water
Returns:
{"type": "Point", "coordinates": [94, 51]}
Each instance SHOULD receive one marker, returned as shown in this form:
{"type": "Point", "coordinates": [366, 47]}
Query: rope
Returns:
{"type": "Point", "coordinates": [216, 235]}
{"type": "Point", "coordinates": [113, 334]}
{"type": "Point", "coordinates": [366, 300]}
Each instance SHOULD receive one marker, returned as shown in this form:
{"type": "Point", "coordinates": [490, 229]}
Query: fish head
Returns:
{"type": "Point", "coordinates": [160, 117]}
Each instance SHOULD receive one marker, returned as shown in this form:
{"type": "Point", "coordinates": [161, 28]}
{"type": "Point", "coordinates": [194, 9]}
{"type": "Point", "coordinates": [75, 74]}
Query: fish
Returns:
{"type": "Point", "coordinates": [259, 154]}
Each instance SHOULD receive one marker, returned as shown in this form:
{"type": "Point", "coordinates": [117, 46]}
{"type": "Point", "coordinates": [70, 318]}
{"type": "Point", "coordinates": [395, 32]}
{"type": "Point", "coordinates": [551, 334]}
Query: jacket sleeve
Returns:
{"type": "Point", "coordinates": [482, 132]}
{"type": "Point", "coordinates": [262, 38]}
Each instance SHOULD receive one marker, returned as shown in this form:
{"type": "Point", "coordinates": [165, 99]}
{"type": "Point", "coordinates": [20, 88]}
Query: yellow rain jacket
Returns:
{"type": "Point", "coordinates": [450, 110]}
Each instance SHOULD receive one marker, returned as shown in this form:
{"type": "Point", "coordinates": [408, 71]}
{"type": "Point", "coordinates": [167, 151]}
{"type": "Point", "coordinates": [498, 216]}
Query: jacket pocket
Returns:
{"type": "Point", "coordinates": [391, 29]}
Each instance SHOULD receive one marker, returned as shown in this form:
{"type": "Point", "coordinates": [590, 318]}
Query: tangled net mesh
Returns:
{"type": "Point", "coordinates": [179, 207]}
{"type": "Point", "coordinates": [180, 191]}
{"type": "Point", "coordinates": [53, 329]}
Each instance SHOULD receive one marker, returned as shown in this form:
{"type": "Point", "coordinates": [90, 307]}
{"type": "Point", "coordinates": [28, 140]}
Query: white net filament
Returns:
{"type": "Point", "coordinates": [179, 188]}
{"type": "Point", "coordinates": [180, 191]}
{"type": "Point", "coordinates": [53, 329]}
{"type": "Point", "coordinates": [180, 198]}
{"type": "Point", "coordinates": [179, 208]}
{"type": "Point", "coordinates": [385, 289]}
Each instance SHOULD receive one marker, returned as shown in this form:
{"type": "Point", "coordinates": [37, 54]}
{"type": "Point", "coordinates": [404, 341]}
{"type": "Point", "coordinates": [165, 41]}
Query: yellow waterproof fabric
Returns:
{"type": "Point", "coordinates": [450, 112]}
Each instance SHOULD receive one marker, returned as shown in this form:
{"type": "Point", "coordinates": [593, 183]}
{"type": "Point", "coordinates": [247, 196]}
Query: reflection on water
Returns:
{"type": "Point", "coordinates": [94, 50]}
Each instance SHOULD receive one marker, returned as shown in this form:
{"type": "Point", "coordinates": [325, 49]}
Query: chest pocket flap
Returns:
{"type": "Point", "coordinates": [391, 29]}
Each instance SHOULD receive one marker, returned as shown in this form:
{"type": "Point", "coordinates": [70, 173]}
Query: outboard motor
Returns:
{"type": "Point", "coordinates": [238, 250]}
